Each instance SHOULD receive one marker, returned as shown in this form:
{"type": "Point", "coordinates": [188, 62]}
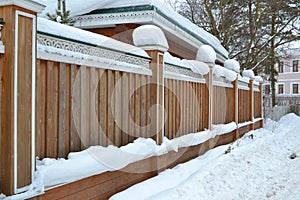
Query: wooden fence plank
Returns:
{"type": "Point", "coordinates": [117, 110]}
{"type": "Point", "coordinates": [75, 142]}
{"type": "Point", "coordinates": [40, 110]}
{"type": "Point", "coordinates": [93, 106]}
{"type": "Point", "coordinates": [62, 110]}
{"type": "Point", "coordinates": [52, 110]}
{"type": "Point", "coordinates": [103, 107]}
{"type": "Point", "coordinates": [110, 117]}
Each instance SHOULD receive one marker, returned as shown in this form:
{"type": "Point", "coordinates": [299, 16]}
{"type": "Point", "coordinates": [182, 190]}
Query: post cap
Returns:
{"type": "Point", "coordinates": [150, 37]}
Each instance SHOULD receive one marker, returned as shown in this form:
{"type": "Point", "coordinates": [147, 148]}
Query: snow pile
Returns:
{"type": "Point", "coordinates": [206, 54]}
{"type": "Point", "coordinates": [97, 159]}
{"type": "Point", "coordinates": [76, 8]}
{"type": "Point", "coordinates": [233, 65]}
{"type": "Point", "coordinates": [248, 73]}
{"type": "Point", "coordinates": [198, 67]}
{"type": "Point", "coordinates": [150, 37]}
{"type": "Point", "coordinates": [243, 79]}
{"type": "Point", "coordinates": [168, 58]}
{"type": "Point", "coordinates": [258, 79]}
{"type": "Point", "coordinates": [57, 29]}
{"type": "Point", "coordinates": [221, 72]}
{"type": "Point", "coordinates": [264, 164]}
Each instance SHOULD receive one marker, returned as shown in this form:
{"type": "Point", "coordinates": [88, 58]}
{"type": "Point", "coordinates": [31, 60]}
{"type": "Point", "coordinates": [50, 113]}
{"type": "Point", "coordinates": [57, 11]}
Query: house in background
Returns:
{"type": "Point", "coordinates": [288, 80]}
{"type": "Point", "coordinates": [289, 73]}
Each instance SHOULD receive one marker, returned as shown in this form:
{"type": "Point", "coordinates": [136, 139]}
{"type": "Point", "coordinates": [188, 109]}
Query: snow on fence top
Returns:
{"type": "Point", "coordinates": [206, 54]}
{"type": "Point", "coordinates": [76, 8]}
{"type": "Point", "coordinates": [219, 72]}
{"type": "Point", "coordinates": [198, 67]}
{"type": "Point", "coordinates": [248, 73]}
{"type": "Point", "coordinates": [74, 34]}
{"type": "Point", "coordinates": [232, 65]}
{"type": "Point", "coordinates": [258, 79]}
{"type": "Point", "coordinates": [194, 65]}
{"type": "Point", "coordinates": [150, 37]}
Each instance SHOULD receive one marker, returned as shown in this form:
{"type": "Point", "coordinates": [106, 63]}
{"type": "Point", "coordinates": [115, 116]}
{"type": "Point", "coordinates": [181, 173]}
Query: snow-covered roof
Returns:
{"type": "Point", "coordinates": [51, 28]}
{"type": "Point", "coordinates": [163, 16]}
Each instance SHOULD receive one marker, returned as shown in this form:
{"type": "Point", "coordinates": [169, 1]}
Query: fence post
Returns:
{"type": "Point", "coordinates": [210, 97]}
{"type": "Point", "coordinates": [236, 105]}
{"type": "Point", "coordinates": [153, 41]}
{"type": "Point", "coordinates": [18, 97]}
{"type": "Point", "coordinates": [261, 102]}
{"type": "Point", "coordinates": [251, 107]}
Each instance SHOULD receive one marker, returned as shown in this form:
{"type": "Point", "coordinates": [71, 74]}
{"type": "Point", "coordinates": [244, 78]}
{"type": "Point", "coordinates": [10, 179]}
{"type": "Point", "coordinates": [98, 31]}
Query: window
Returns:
{"type": "Point", "coordinates": [267, 89]}
{"type": "Point", "coordinates": [295, 88]}
{"type": "Point", "coordinates": [295, 65]}
{"type": "Point", "coordinates": [280, 68]}
{"type": "Point", "coordinates": [280, 89]}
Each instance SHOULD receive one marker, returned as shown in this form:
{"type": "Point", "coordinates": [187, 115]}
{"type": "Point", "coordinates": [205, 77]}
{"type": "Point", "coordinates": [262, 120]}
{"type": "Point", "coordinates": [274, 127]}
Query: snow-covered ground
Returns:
{"type": "Point", "coordinates": [264, 164]}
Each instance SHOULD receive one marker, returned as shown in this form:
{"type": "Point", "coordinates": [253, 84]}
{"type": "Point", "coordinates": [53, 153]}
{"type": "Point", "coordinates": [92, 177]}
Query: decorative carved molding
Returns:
{"type": "Point", "coordinates": [92, 51]}
{"type": "Point", "coordinates": [181, 70]}
{"type": "Point", "coordinates": [114, 16]}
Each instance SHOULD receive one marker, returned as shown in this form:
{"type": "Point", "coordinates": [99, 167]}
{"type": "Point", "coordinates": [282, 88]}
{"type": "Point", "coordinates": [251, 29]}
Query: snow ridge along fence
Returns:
{"type": "Point", "coordinates": [65, 89]}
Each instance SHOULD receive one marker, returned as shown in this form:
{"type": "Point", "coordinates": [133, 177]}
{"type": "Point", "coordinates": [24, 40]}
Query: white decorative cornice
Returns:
{"type": "Point", "coordinates": [107, 19]}
{"type": "Point", "coordinates": [27, 4]}
{"type": "Point", "coordinates": [77, 48]}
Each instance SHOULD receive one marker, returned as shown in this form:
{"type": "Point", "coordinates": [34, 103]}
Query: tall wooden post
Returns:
{"type": "Point", "coordinates": [236, 105]}
{"type": "Point", "coordinates": [210, 97]}
{"type": "Point", "coordinates": [157, 94]}
{"type": "Point", "coordinates": [251, 106]}
{"type": "Point", "coordinates": [261, 103]}
{"type": "Point", "coordinates": [18, 94]}
{"type": "Point", "coordinates": [152, 39]}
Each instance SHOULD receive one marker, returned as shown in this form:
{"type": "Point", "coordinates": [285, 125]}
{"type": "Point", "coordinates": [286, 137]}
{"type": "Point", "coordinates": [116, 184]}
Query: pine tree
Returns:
{"type": "Point", "coordinates": [62, 15]}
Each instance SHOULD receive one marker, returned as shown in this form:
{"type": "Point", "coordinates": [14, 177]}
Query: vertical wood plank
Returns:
{"type": "Point", "coordinates": [75, 142]}
{"type": "Point", "coordinates": [117, 110]}
{"type": "Point", "coordinates": [137, 113]}
{"type": "Point", "coordinates": [62, 110]}
{"type": "Point", "coordinates": [166, 108]}
{"type": "Point", "coordinates": [125, 110]}
{"type": "Point", "coordinates": [131, 107]}
{"type": "Point", "coordinates": [143, 106]}
{"type": "Point", "coordinates": [83, 108]}
{"type": "Point", "coordinates": [40, 110]}
{"type": "Point", "coordinates": [93, 106]}
{"type": "Point", "coordinates": [52, 110]}
{"type": "Point", "coordinates": [67, 130]}
{"type": "Point", "coordinates": [110, 109]}
{"type": "Point", "coordinates": [24, 64]}
{"type": "Point", "coordinates": [103, 107]}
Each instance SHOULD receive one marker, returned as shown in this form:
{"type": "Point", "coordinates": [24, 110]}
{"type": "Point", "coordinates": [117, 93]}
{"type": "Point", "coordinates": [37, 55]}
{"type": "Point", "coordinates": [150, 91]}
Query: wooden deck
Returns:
{"type": "Point", "coordinates": [104, 185]}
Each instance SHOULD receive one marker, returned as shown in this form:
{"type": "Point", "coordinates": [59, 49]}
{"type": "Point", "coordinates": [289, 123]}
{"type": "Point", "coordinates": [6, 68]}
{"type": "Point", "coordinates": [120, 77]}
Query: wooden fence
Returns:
{"type": "Point", "coordinates": [55, 104]}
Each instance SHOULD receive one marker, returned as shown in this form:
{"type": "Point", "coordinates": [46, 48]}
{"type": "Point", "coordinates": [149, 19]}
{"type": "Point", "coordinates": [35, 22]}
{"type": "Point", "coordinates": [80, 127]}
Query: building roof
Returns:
{"type": "Point", "coordinates": [97, 14]}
